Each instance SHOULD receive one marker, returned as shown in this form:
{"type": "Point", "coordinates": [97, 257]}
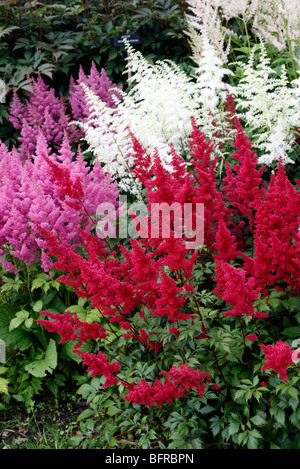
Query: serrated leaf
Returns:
{"type": "Point", "coordinates": [252, 443]}
{"type": "Point", "coordinates": [14, 323]}
{"type": "Point", "coordinates": [293, 392]}
{"type": "Point", "coordinates": [37, 283]}
{"type": "Point", "coordinates": [38, 306]}
{"type": "Point", "coordinates": [239, 393]}
{"type": "Point", "coordinates": [28, 323]}
{"type": "Point", "coordinates": [17, 339]}
{"type": "Point", "coordinates": [39, 368]}
{"type": "Point", "coordinates": [113, 410]}
{"type": "Point", "coordinates": [233, 428]}
{"type": "Point", "coordinates": [257, 420]}
{"type": "Point", "coordinates": [280, 416]}
{"type": "Point", "coordinates": [4, 385]}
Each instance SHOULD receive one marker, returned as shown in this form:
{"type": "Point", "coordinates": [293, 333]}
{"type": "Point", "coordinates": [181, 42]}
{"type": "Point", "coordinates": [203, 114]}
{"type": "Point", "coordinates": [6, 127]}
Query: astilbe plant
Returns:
{"type": "Point", "coordinates": [157, 108]}
{"type": "Point", "coordinates": [43, 112]}
{"type": "Point", "coordinates": [30, 198]}
{"type": "Point", "coordinates": [148, 296]}
{"type": "Point", "coordinates": [269, 104]}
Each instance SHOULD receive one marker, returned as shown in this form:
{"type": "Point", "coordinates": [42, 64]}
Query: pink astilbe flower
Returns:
{"type": "Point", "coordinates": [98, 83]}
{"type": "Point", "coordinates": [42, 112]}
{"type": "Point", "coordinates": [17, 110]}
{"type": "Point", "coordinates": [279, 357]}
{"type": "Point", "coordinates": [31, 197]}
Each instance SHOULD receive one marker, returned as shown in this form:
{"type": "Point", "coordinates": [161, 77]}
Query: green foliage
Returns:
{"type": "Point", "coordinates": [35, 361]}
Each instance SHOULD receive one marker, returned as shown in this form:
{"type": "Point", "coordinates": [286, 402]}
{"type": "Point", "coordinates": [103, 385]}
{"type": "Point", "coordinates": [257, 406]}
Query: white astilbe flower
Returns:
{"type": "Point", "coordinates": [210, 75]}
{"type": "Point", "coordinates": [278, 22]}
{"type": "Point", "coordinates": [212, 91]}
{"type": "Point", "coordinates": [108, 137]}
{"type": "Point", "coordinates": [205, 16]}
{"type": "Point", "coordinates": [270, 107]}
{"type": "Point", "coordinates": [159, 106]}
{"type": "Point", "coordinates": [244, 9]}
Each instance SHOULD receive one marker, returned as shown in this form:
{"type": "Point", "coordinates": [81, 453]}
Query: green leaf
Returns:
{"type": "Point", "coordinates": [38, 306]}
{"type": "Point", "coordinates": [39, 368]}
{"type": "Point", "coordinates": [257, 420]}
{"type": "Point", "coordinates": [112, 54]}
{"type": "Point", "coordinates": [279, 416]}
{"type": "Point", "coordinates": [21, 316]}
{"type": "Point", "coordinates": [233, 428]}
{"type": "Point", "coordinates": [4, 385]}
{"type": "Point", "coordinates": [113, 410]}
{"type": "Point", "coordinates": [293, 392]}
{"type": "Point", "coordinates": [292, 331]}
{"type": "Point", "coordinates": [3, 370]}
{"type": "Point", "coordinates": [17, 339]}
{"type": "Point", "coordinates": [38, 282]}
{"type": "Point", "coordinates": [252, 443]}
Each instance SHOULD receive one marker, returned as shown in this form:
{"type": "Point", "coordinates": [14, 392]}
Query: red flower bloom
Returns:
{"type": "Point", "coordinates": [278, 357]}
{"type": "Point", "coordinates": [251, 337]}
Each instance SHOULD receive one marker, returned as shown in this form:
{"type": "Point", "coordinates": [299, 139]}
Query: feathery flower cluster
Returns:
{"type": "Point", "coordinates": [101, 86]}
{"type": "Point", "coordinates": [31, 196]}
{"type": "Point", "coordinates": [237, 290]}
{"type": "Point", "coordinates": [71, 328]}
{"type": "Point", "coordinates": [278, 22]}
{"type": "Point", "coordinates": [276, 235]}
{"type": "Point", "coordinates": [279, 357]}
{"type": "Point", "coordinates": [270, 107]}
{"type": "Point", "coordinates": [205, 18]}
{"type": "Point", "coordinates": [178, 382]}
{"type": "Point", "coordinates": [45, 113]}
{"type": "Point", "coordinates": [42, 112]}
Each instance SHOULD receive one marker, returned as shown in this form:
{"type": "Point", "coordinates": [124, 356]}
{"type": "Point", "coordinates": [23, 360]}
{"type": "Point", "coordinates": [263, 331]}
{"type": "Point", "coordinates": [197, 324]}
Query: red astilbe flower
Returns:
{"type": "Point", "coordinates": [178, 382]}
{"type": "Point", "coordinates": [206, 191]}
{"type": "Point", "coordinates": [225, 244]}
{"type": "Point", "coordinates": [237, 290]}
{"type": "Point", "coordinates": [251, 337]}
{"type": "Point", "coordinates": [71, 328]}
{"type": "Point", "coordinates": [169, 303]}
{"type": "Point", "coordinates": [98, 365]}
{"type": "Point", "coordinates": [230, 108]}
{"type": "Point", "coordinates": [276, 234]}
{"type": "Point", "coordinates": [279, 357]}
{"type": "Point", "coordinates": [66, 185]}
{"type": "Point", "coordinates": [158, 393]}
{"type": "Point", "coordinates": [242, 184]}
